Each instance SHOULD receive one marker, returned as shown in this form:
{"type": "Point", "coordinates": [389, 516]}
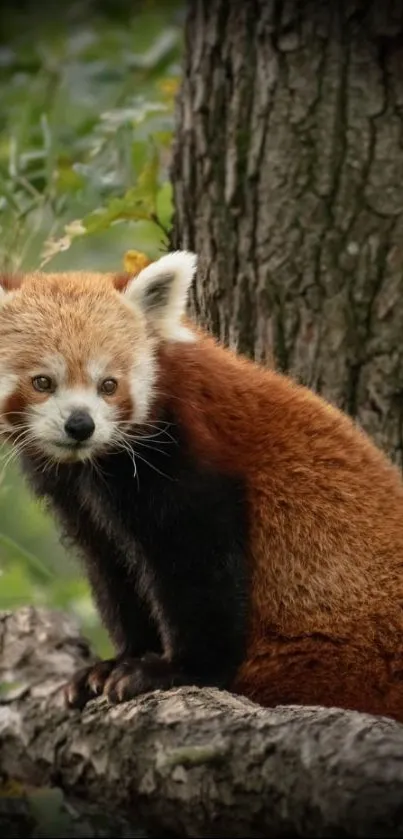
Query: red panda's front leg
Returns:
{"type": "Point", "coordinates": [196, 559]}
{"type": "Point", "coordinates": [113, 580]}
{"type": "Point", "coordinates": [203, 626]}
{"type": "Point", "coordinates": [114, 587]}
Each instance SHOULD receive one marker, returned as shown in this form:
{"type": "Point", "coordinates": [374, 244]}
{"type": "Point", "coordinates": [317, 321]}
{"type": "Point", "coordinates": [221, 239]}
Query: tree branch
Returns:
{"type": "Point", "coordinates": [192, 762]}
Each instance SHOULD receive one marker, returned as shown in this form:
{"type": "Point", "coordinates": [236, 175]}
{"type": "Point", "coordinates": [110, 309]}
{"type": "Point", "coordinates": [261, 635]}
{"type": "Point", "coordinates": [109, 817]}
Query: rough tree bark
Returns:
{"type": "Point", "coordinates": [189, 762]}
{"type": "Point", "coordinates": [288, 182]}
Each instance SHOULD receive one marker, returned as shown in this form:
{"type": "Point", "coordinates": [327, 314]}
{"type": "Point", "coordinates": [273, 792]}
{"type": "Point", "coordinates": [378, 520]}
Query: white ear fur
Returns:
{"type": "Point", "coordinates": [161, 290]}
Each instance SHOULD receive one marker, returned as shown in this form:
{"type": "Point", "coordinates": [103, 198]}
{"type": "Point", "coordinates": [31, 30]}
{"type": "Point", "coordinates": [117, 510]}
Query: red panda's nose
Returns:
{"type": "Point", "coordinates": [80, 426]}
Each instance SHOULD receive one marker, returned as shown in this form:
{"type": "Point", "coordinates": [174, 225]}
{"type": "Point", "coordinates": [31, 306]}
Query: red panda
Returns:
{"type": "Point", "coordinates": [237, 530]}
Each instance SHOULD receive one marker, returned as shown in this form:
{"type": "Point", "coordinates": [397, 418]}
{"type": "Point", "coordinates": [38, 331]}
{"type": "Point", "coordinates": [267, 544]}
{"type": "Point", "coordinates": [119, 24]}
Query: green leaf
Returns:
{"type": "Point", "coordinates": [138, 203]}
{"type": "Point", "coordinates": [67, 178]}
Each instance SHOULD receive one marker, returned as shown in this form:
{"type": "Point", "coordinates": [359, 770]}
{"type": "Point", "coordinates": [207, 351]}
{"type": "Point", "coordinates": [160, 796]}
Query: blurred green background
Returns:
{"type": "Point", "coordinates": [87, 95]}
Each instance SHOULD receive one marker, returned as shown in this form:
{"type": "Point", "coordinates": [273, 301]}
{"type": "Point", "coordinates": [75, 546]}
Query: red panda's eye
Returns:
{"type": "Point", "coordinates": [108, 386]}
{"type": "Point", "coordinates": [44, 384]}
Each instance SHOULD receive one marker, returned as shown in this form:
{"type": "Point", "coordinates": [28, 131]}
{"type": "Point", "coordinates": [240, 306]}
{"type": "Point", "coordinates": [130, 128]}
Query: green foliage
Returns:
{"type": "Point", "coordinates": [86, 120]}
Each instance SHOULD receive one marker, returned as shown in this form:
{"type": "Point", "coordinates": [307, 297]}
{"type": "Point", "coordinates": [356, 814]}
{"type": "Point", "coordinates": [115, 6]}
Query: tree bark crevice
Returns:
{"type": "Point", "coordinates": [287, 172]}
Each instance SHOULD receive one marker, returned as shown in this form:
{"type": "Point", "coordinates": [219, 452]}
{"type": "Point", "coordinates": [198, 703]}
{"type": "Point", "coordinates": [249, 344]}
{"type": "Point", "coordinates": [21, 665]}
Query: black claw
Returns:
{"type": "Point", "coordinates": [133, 677]}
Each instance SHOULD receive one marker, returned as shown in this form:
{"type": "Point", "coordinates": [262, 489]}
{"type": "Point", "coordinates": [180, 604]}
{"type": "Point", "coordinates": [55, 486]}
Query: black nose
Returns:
{"type": "Point", "coordinates": [80, 426]}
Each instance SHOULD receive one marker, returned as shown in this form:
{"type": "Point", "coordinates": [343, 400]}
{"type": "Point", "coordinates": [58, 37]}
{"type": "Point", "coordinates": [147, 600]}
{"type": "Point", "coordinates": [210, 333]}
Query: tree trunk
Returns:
{"type": "Point", "coordinates": [288, 183]}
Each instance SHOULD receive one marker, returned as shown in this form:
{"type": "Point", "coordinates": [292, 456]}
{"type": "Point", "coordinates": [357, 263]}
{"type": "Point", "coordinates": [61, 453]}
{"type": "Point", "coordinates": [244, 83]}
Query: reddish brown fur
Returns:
{"type": "Point", "coordinates": [120, 281]}
{"type": "Point", "coordinates": [13, 409]}
{"type": "Point", "coordinates": [326, 519]}
{"type": "Point", "coordinates": [325, 506]}
{"type": "Point", "coordinates": [10, 281]}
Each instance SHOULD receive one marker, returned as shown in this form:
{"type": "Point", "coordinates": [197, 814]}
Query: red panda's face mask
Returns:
{"type": "Point", "coordinates": [78, 357]}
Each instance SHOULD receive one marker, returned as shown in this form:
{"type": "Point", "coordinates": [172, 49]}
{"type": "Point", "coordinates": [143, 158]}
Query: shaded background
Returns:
{"type": "Point", "coordinates": [86, 117]}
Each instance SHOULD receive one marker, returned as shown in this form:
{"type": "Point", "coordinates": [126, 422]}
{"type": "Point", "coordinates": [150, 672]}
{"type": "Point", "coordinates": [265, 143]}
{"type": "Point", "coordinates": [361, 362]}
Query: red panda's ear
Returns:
{"type": "Point", "coordinates": [161, 291]}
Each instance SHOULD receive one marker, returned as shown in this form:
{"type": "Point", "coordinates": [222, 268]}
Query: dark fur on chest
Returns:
{"type": "Point", "coordinates": [165, 551]}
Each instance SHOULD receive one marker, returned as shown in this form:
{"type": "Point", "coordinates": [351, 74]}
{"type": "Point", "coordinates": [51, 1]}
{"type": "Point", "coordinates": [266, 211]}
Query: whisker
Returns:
{"type": "Point", "coordinates": [132, 440]}
{"type": "Point", "coordinates": [155, 468]}
{"type": "Point", "coordinates": [151, 448]}
{"type": "Point", "coordinates": [135, 436]}
{"type": "Point", "coordinates": [25, 439]}
{"type": "Point", "coordinates": [98, 471]}
{"type": "Point", "coordinates": [18, 442]}
{"type": "Point", "coordinates": [137, 432]}
{"type": "Point", "coordinates": [16, 450]}
{"type": "Point", "coordinates": [124, 446]}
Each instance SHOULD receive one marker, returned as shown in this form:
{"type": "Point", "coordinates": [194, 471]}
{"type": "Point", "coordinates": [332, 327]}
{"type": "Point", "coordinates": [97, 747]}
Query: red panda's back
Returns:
{"type": "Point", "coordinates": [325, 506]}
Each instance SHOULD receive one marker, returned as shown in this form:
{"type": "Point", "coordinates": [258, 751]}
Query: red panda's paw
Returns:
{"type": "Point", "coordinates": [88, 683]}
{"type": "Point", "coordinates": [134, 676]}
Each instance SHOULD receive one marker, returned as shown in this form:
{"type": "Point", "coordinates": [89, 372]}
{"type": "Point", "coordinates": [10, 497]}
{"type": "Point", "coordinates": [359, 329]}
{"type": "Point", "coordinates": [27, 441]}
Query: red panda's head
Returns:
{"type": "Point", "coordinates": [78, 353]}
